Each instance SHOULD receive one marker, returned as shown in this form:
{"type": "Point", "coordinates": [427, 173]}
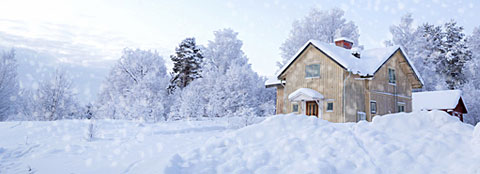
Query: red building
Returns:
{"type": "Point", "coordinates": [449, 101]}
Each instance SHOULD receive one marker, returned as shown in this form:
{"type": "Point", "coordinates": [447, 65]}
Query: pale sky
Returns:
{"type": "Point", "coordinates": [92, 33]}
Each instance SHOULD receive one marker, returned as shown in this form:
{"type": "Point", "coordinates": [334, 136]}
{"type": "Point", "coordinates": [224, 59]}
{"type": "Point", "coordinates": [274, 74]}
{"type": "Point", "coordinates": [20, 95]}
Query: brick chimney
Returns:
{"type": "Point", "coordinates": [344, 42]}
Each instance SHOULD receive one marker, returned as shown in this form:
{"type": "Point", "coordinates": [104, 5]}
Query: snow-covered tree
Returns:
{"type": "Point", "coordinates": [186, 64]}
{"type": "Point", "coordinates": [404, 34]}
{"type": "Point", "coordinates": [136, 87]}
{"type": "Point", "coordinates": [191, 102]}
{"type": "Point", "coordinates": [89, 111]}
{"type": "Point", "coordinates": [55, 98]}
{"type": "Point", "coordinates": [457, 54]}
{"type": "Point", "coordinates": [471, 99]}
{"type": "Point", "coordinates": [223, 52]}
{"type": "Point", "coordinates": [444, 58]}
{"type": "Point", "coordinates": [429, 53]}
{"type": "Point", "coordinates": [440, 53]}
{"type": "Point", "coordinates": [471, 90]}
{"type": "Point", "coordinates": [473, 42]}
{"type": "Point", "coordinates": [323, 25]}
{"type": "Point", "coordinates": [9, 86]}
{"type": "Point", "coordinates": [228, 86]}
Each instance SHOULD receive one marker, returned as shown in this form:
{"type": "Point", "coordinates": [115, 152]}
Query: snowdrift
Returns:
{"type": "Point", "coordinates": [421, 142]}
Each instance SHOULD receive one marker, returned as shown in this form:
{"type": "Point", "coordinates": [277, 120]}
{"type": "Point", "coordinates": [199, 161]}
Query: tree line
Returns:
{"type": "Point", "coordinates": [216, 80]}
{"type": "Point", "coordinates": [206, 81]}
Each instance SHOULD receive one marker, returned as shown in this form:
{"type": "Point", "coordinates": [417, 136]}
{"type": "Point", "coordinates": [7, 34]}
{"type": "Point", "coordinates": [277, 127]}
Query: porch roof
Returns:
{"type": "Point", "coordinates": [305, 94]}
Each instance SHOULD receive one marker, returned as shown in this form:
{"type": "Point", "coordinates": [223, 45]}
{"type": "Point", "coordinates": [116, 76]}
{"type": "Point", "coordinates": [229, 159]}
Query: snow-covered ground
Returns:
{"type": "Point", "coordinates": [422, 142]}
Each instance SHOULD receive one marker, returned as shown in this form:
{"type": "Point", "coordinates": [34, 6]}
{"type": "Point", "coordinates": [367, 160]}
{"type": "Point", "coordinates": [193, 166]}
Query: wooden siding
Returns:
{"type": "Point", "coordinates": [355, 97]}
{"type": "Point", "coordinates": [329, 84]}
{"type": "Point", "coordinates": [279, 109]}
{"type": "Point", "coordinates": [389, 95]}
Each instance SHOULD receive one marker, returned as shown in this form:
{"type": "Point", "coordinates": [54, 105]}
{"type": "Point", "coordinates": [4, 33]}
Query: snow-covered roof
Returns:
{"type": "Point", "coordinates": [305, 94]}
{"type": "Point", "coordinates": [368, 64]}
{"type": "Point", "coordinates": [343, 38]}
{"type": "Point", "coordinates": [272, 81]}
{"type": "Point", "coordinates": [430, 100]}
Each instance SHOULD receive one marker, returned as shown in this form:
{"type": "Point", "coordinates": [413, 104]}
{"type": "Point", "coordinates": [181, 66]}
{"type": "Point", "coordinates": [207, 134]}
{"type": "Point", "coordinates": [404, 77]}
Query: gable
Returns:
{"type": "Point", "coordinates": [461, 106]}
{"type": "Point", "coordinates": [365, 66]}
{"type": "Point", "coordinates": [308, 47]}
{"type": "Point", "coordinates": [398, 55]}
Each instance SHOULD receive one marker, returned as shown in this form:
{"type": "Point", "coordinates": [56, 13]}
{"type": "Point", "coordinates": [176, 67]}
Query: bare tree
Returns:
{"type": "Point", "coordinates": [8, 84]}
{"type": "Point", "coordinates": [55, 98]}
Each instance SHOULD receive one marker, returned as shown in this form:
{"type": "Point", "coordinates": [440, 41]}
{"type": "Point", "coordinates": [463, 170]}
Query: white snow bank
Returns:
{"type": "Point", "coordinates": [421, 142]}
{"type": "Point", "coordinates": [476, 138]}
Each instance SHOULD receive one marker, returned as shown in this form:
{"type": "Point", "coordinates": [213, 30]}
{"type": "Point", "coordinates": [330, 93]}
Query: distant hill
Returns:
{"type": "Point", "coordinates": [34, 67]}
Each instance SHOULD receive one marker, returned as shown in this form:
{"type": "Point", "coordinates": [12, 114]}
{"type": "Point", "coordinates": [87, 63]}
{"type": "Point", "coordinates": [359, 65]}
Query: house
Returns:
{"type": "Point", "coordinates": [449, 101]}
{"type": "Point", "coordinates": [339, 83]}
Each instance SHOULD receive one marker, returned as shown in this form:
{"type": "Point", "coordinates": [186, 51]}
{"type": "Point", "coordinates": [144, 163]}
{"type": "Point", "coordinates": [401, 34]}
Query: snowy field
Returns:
{"type": "Point", "coordinates": [424, 142]}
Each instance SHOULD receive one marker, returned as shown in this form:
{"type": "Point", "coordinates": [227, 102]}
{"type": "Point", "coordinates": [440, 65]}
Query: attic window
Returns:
{"type": "Point", "coordinates": [312, 71]}
{"type": "Point", "coordinates": [391, 76]}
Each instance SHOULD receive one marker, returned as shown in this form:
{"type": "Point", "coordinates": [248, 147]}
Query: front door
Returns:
{"type": "Point", "coordinates": [312, 108]}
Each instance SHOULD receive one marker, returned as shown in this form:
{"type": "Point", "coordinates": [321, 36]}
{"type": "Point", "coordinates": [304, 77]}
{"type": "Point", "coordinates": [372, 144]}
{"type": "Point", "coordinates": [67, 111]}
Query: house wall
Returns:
{"type": "Point", "coordinates": [388, 95]}
{"type": "Point", "coordinates": [330, 83]}
{"type": "Point", "coordinates": [279, 103]}
{"type": "Point", "coordinates": [355, 97]}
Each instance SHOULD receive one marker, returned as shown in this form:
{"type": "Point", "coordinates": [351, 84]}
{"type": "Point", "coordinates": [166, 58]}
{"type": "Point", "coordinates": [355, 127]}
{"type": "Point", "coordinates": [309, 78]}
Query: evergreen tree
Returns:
{"type": "Point", "coordinates": [186, 64]}
{"type": "Point", "coordinates": [431, 51]}
{"type": "Point", "coordinates": [456, 55]}
{"type": "Point", "coordinates": [440, 53]}
{"type": "Point", "coordinates": [228, 87]}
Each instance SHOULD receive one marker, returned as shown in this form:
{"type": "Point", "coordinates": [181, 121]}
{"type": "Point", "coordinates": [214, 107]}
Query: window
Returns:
{"type": "Point", "coordinates": [361, 116]}
{"type": "Point", "coordinates": [295, 107]}
{"type": "Point", "coordinates": [329, 106]}
{"type": "Point", "coordinates": [401, 107]}
{"type": "Point", "coordinates": [373, 107]}
{"type": "Point", "coordinates": [391, 76]}
{"type": "Point", "coordinates": [312, 70]}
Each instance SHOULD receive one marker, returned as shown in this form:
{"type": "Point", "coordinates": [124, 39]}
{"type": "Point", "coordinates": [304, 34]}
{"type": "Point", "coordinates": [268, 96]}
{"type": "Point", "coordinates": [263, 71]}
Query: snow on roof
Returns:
{"type": "Point", "coordinates": [369, 62]}
{"type": "Point", "coordinates": [430, 100]}
{"type": "Point", "coordinates": [272, 81]}
{"type": "Point", "coordinates": [305, 94]}
{"type": "Point", "coordinates": [343, 38]}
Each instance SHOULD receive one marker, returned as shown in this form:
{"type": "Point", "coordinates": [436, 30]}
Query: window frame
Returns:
{"type": "Point", "coordinates": [359, 113]}
{"type": "Point", "coordinates": [330, 101]}
{"type": "Point", "coordinates": [371, 108]}
{"type": "Point", "coordinates": [306, 69]}
{"type": "Point", "coordinates": [392, 81]}
{"type": "Point", "coordinates": [293, 107]}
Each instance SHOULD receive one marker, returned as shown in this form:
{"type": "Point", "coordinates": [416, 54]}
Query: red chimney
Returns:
{"type": "Point", "coordinates": [344, 43]}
